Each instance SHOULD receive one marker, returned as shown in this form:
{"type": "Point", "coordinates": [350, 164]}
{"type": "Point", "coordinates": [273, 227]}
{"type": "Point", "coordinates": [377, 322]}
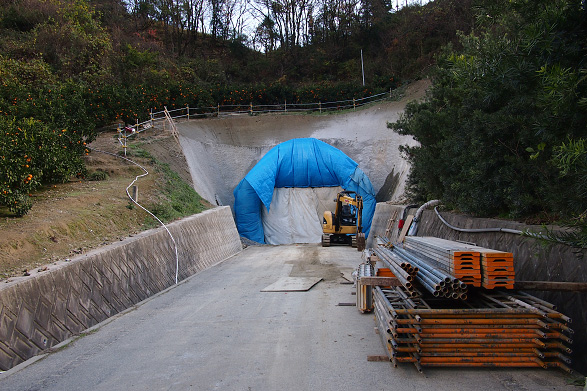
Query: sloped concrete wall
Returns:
{"type": "Point", "coordinates": [533, 261]}
{"type": "Point", "coordinates": [233, 145]}
{"type": "Point", "coordinates": [38, 312]}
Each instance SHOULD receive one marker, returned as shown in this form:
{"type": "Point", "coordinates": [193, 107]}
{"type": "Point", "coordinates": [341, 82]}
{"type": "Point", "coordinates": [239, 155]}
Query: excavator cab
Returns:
{"type": "Point", "coordinates": [344, 226]}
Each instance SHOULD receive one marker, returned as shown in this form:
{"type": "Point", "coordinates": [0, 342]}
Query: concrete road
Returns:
{"type": "Point", "coordinates": [218, 331]}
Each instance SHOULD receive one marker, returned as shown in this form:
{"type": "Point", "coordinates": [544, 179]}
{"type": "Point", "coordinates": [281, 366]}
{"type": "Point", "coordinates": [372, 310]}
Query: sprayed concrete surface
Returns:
{"type": "Point", "coordinates": [221, 151]}
{"type": "Point", "coordinates": [218, 331]}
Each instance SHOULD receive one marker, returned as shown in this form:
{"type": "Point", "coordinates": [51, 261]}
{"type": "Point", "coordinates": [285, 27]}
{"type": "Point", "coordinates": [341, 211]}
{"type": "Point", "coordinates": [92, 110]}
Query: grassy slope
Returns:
{"type": "Point", "coordinates": [69, 219]}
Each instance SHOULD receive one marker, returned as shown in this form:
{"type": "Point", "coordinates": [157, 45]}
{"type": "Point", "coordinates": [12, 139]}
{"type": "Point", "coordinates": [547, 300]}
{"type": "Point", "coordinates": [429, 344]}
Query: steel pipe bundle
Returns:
{"type": "Point", "coordinates": [437, 282]}
{"type": "Point", "coordinates": [473, 264]}
{"type": "Point", "coordinates": [455, 258]}
{"type": "Point", "coordinates": [490, 329]}
{"type": "Point", "coordinates": [434, 280]}
{"type": "Point", "coordinates": [364, 292]}
{"type": "Point", "coordinates": [394, 264]}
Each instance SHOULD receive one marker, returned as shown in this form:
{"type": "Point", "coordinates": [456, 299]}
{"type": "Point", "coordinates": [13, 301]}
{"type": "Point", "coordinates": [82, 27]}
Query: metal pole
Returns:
{"type": "Point", "coordinates": [552, 286]}
{"type": "Point", "coordinates": [362, 68]}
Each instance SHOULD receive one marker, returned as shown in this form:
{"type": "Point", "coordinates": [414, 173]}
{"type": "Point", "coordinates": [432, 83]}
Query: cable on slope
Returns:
{"type": "Point", "coordinates": [142, 207]}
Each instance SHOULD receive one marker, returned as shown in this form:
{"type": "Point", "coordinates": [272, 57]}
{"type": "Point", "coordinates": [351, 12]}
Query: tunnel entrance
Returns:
{"type": "Point", "coordinates": [296, 214]}
{"type": "Point", "coordinates": [297, 163]}
{"type": "Point", "coordinates": [220, 152]}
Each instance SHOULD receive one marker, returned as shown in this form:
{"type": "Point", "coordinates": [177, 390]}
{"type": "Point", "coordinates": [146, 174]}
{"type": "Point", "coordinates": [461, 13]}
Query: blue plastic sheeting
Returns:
{"type": "Point", "coordinates": [303, 162]}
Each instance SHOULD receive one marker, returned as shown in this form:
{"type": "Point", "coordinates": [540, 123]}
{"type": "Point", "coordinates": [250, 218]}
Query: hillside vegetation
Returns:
{"type": "Point", "coordinates": [68, 67]}
{"type": "Point", "coordinates": [502, 132]}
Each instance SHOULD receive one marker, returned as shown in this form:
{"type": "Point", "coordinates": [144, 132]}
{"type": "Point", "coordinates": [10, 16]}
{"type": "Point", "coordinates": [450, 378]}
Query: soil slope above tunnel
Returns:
{"type": "Point", "coordinates": [221, 151]}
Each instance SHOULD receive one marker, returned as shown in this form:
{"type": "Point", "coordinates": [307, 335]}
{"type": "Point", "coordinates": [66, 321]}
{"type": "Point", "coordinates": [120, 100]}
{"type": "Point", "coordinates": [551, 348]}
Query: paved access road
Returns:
{"type": "Point", "coordinates": [218, 331]}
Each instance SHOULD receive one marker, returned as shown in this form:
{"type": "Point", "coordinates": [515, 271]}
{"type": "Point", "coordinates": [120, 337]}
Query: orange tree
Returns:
{"type": "Point", "coordinates": [44, 125]}
{"type": "Point", "coordinates": [33, 153]}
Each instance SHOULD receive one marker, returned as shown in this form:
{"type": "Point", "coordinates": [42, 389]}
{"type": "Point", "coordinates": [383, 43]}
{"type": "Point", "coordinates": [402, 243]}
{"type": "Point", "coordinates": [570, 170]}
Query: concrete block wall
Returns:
{"type": "Point", "coordinates": [40, 311]}
{"type": "Point", "coordinates": [533, 260]}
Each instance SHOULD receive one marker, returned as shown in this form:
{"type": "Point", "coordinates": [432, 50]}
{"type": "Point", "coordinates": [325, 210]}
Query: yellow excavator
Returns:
{"type": "Point", "coordinates": [344, 226]}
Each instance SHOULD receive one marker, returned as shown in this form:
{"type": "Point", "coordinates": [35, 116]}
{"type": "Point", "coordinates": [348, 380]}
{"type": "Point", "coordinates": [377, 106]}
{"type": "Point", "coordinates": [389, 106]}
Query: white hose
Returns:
{"type": "Point", "coordinates": [143, 208]}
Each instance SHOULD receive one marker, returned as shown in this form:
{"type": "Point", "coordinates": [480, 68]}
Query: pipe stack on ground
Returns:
{"type": "Point", "coordinates": [398, 348]}
{"type": "Point", "coordinates": [433, 279]}
{"type": "Point", "coordinates": [490, 329]}
{"type": "Point", "coordinates": [394, 263]}
{"type": "Point", "coordinates": [455, 258]}
{"type": "Point", "coordinates": [437, 282]}
{"type": "Point", "coordinates": [477, 266]}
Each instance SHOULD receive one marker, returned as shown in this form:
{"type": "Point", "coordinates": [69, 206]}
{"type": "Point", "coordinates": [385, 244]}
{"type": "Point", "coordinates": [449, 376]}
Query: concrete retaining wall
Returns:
{"type": "Point", "coordinates": [533, 261]}
{"type": "Point", "coordinates": [39, 311]}
{"type": "Point", "coordinates": [383, 213]}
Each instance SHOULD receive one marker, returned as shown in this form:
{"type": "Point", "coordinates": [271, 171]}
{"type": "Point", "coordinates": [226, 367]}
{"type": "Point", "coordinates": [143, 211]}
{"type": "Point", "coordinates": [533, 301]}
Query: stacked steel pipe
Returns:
{"type": "Point", "coordinates": [433, 279]}
{"type": "Point", "coordinates": [490, 329]}
{"type": "Point", "coordinates": [364, 292]}
{"type": "Point", "coordinates": [398, 348]}
{"type": "Point", "coordinates": [453, 257]}
{"type": "Point", "coordinates": [396, 265]}
{"type": "Point", "coordinates": [437, 282]}
{"type": "Point", "coordinates": [477, 266]}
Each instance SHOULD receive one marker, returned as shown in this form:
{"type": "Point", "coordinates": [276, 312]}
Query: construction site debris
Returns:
{"type": "Point", "coordinates": [489, 329]}
{"type": "Point", "coordinates": [448, 324]}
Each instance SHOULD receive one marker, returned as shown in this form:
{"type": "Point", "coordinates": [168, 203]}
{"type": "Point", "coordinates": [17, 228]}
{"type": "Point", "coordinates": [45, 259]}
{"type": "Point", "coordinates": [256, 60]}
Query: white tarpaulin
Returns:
{"type": "Point", "coordinates": [301, 163]}
{"type": "Point", "coordinates": [296, 214]}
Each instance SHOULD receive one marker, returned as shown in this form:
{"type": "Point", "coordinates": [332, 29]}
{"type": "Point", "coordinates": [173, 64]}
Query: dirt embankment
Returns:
{"type": "Point", "coordinates": [220, 151]}
{"type": "Point", "coordinates": [69, 219]}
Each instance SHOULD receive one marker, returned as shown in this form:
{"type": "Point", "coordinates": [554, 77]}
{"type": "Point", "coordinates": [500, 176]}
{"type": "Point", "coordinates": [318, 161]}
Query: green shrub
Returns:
{"type": "Point", "coordinates": [497, 112]}
{"type": "Point", "coordinates": [98, 176]}
{"type": "Point", "coordinates": [33, 153]}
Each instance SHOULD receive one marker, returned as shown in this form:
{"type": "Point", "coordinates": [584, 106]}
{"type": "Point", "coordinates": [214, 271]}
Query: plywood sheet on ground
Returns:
{"type": "Point", "coordinates": [292, 284]}
{"type": "Point", "coordinates": [347, 274]}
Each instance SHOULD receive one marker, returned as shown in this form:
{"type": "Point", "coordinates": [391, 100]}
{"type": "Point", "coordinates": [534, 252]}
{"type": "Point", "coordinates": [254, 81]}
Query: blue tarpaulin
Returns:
{"type": "Point", "coordinates": [303, 162]}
